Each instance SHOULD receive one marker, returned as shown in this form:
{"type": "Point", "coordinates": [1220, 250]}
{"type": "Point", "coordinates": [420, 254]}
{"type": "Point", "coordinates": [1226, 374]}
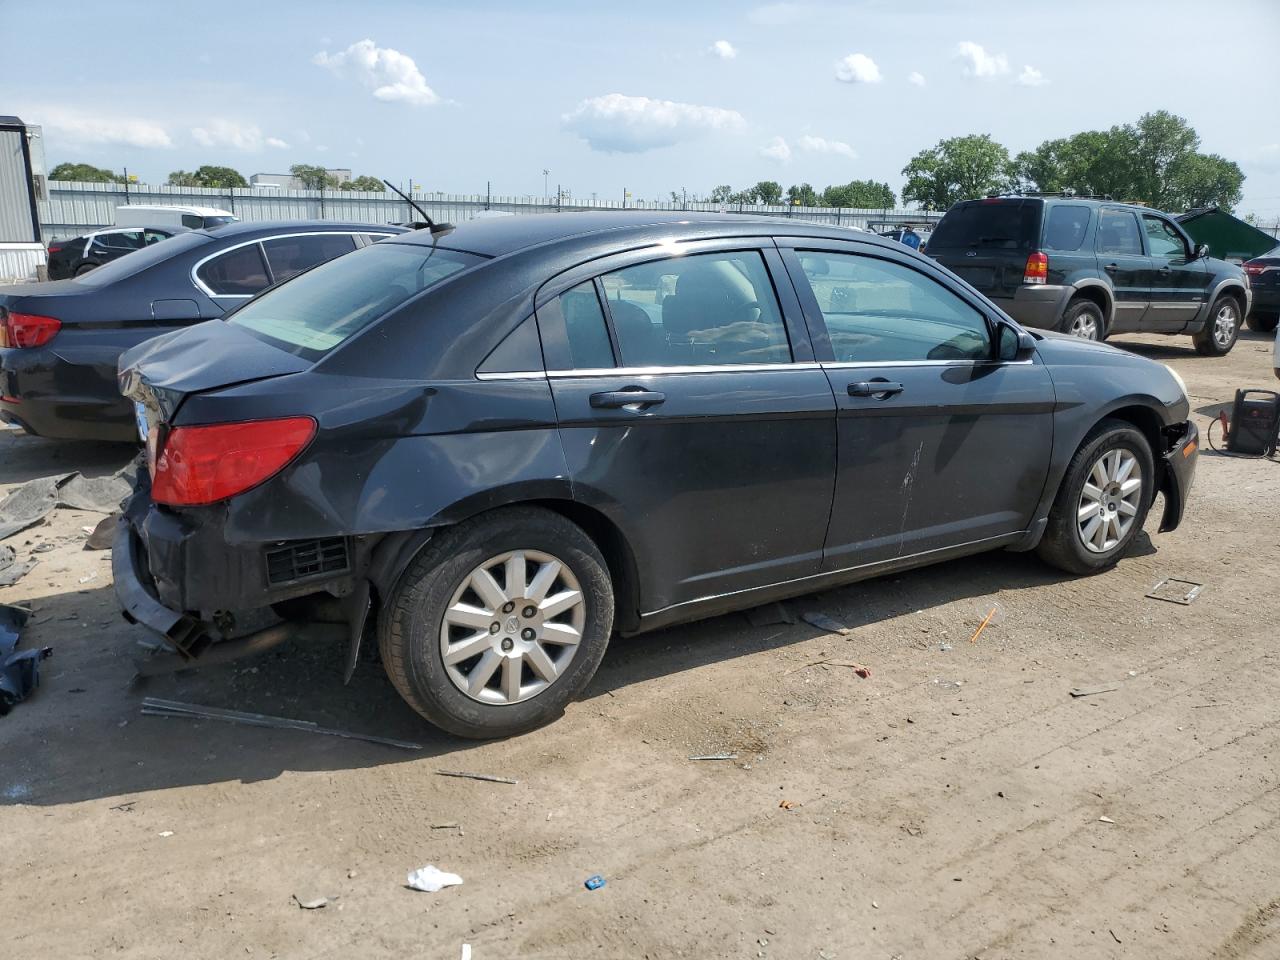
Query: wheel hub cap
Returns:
{"type": "Point", "coordinates": [1224, 325]}
{"type": "Point", "coordinates": [1109, 502]}
{"type": "Point", "coordinates": [512, 627]}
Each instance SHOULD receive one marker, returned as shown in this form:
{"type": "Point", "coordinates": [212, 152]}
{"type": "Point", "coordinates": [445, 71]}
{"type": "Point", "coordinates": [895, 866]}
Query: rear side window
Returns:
{"type": "Point", "coordinates": [290, 256]}
{"type": "Point", "coordinates": [1065, 226]}
{"type": "Point", "coordinates": [193, 221]}
{"type": "Point", "coordinates": [209, 221]}
{"type": "Point", "coordinates": [585, 328]}
{"type": "Point", "coordinates": [237, 273]}
{"type": "Point", "coordinates": [155, 236]}
{"type": "Point", "coordinates": [1118, 233]}
{"type": "Point", "coordinates": [989, 224]}
{"type": "Point", "coordinates": [314, 313]}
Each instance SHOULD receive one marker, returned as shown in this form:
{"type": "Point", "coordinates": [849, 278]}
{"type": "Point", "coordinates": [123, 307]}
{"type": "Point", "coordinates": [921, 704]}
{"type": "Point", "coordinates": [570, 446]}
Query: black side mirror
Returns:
{"type": "Point", "coordinates": [1201, 251]}
{"type": "Point", "coordinates": [1015, 344]}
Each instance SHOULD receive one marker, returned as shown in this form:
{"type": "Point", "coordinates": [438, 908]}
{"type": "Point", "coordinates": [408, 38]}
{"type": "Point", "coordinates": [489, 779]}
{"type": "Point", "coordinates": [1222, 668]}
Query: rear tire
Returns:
{"type": "Point", "coordinates": [1084, 319]}
{"type": "Point", "coordinates": [1221, 328]}
{"type": "Point", "coordinates": [1115, 452]}
{"type": "Point", "coordinates": [1263, 322]}
{"type": "Point", "coordinates": [84, 268]}
{"type": "Point", "coordinates": [484, 573]}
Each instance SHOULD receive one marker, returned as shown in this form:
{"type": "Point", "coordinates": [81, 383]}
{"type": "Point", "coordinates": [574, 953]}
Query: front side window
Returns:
{"type": "Point", "coordinates": [154, 236]}
{"type": "Point", "coordinates": [1162, 239]}
{"type": "Point", "coordinates": [290, 256]}
{"type": "Point", "coordinates": [314, 313]}
{"type": "Point", "coordinates": [1118, 233]}
{"type": "Point", "coordinates": [877, 311]}
{"type": "Point", "coordinates": [237, 273]}
{"type": "Point", "coordinates": [698, 310]}
{"type": "Point", "coordinates": [1065, 226]}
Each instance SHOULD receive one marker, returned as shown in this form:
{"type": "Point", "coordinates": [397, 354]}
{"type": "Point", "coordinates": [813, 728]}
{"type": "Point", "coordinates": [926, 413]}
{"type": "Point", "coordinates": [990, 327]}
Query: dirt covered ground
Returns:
{"type": "Point", "coordinates": [951, 806]}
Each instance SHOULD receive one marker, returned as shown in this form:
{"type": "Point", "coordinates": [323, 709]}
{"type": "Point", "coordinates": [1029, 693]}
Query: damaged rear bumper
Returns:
{"type": "Point", "coordinates": [1178, 469]}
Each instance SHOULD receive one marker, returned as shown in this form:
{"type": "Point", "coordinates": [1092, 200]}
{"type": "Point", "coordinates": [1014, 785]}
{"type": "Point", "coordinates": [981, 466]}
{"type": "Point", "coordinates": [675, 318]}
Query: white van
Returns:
{"type": "Point", "coordinates": [155, 215]}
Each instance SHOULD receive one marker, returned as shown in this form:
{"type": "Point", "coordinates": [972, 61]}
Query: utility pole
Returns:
{"type": "Point", "coordinates": [545, 174]}
{"type": "Point", "coordinates": [559, 197]}
{"type": "Point", "coordinates": [488, 193]}
{"type": "Point", "coordinates": [126, 185]}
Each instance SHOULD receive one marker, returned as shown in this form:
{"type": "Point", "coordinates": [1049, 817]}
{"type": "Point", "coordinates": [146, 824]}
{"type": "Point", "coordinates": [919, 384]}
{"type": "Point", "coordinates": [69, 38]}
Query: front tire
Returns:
{"type": "Point", "coordinates": [1221, 329]}
{"type": "Point", "coordinates": [498, 623]}
{"type": "Point", "coordinates": [1103, 501]}
{"type": "Point", "coordinates": [1263, 322]}
{"type": "Point", "coordinates": [1084, 319]}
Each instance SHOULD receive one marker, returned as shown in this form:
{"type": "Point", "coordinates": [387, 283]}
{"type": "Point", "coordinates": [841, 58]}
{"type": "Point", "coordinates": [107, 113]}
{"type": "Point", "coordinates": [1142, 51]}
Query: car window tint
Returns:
{"type": "Point", "coordinates": [877, 310]}
{"type": "Point", "coordinates": [289, 256]}
{"type": "Point", "coordinates": [1065, 226]}
{"type": "Point", "coordinates": [236, 273]}
{"type": "Point", "coordinates": [154, 236]}
{"type": "Point", "coordinates": [316, 312]}
{"type": "Point", "coordinates": [701, 310]}
{"type": "Point", "coordinates": [192, 221]}
{"type": "Point", "coordinates": [120, 241]}
{"type": "Point", "coordinates": [585, 328]}
{"type": "Point", "coordinates": [993, 224]}
{"type": "Point", "coordinates": [1118, 233]}
{"type": "Point", "coordinates": [1162, 239]}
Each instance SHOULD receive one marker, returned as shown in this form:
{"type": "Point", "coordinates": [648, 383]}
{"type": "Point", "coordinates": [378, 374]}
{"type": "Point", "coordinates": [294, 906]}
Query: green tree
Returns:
{"type": "Point", "coordinates": [364, 182]}
{"type": "Point", "coordinates": [802, 195]}
{"type": "Point", "coordinates": [865, 194]}
{"type": "Point", "coordinates": [84, 173]}
{"type": "Point", "coordinates": [768, 191]}
{"type": "Point", "coordinates": [208, 176]}
{"type": "Point", "coordinates": [1205, 180]}
{"type": "Point", "coordinates": [958, 168]}
{"type": "Point", "coordinates": [743, 196]}
{"type": "Point", "coordinates": [313, 177]}
{"type": "Point", "coordinates": [721, 193]}
{"type": "Point", "coordinates": [182, 178]}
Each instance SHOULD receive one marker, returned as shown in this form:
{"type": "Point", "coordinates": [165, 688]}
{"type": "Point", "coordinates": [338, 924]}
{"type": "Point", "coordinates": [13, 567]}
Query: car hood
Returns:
{"type": "Point", "coordinates": [214, 354]}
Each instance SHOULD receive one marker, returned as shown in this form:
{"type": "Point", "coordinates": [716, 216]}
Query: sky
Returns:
{"type": "Point", "coordinates": [651, 97]}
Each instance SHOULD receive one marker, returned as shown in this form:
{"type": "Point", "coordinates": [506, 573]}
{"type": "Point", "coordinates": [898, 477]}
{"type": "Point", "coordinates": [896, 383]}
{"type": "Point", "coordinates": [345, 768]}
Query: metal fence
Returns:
{"type": "Point", "coordinates": [74, 208]}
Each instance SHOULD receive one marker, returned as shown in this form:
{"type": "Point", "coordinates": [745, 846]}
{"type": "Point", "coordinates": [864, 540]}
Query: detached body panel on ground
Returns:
{"type": "Point", "coordinates": [527, 434]}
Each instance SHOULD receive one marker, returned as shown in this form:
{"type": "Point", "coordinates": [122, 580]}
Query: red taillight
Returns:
{"type": "Point", "coordinates": [1037, 269]}
{"type": "Point", "coordinates": [1253, 269]}
{"type": "Point", "coordinates": [199, 465]}
{"type": "Point", "coordinates": [27, 330]}
{"type": "Point", "coordinates": [56, 247]}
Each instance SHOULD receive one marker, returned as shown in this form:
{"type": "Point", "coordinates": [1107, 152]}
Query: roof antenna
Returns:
{"type": "Point", "coordinates": [437, 229]}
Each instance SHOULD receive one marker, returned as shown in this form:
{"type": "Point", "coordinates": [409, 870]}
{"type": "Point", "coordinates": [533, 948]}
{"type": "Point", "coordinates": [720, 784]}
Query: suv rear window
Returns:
{"type": "Point", "coordinates": [989, 224]}
{"type": "Point", "coordinates": [313, 313]}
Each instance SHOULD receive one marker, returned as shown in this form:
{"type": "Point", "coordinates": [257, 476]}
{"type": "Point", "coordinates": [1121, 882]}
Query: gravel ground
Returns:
{"type": "Point", "coordinates": [959, 803]}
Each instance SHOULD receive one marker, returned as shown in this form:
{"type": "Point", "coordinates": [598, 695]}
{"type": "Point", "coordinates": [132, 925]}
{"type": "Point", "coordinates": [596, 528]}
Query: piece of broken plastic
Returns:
{"type": "Point", "coordinates": [429, 879]}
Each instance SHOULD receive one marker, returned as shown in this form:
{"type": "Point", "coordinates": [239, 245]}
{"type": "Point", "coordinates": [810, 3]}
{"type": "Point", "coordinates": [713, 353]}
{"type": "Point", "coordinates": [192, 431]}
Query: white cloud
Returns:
{"type": "Point", "coordinates": [277, 143]}
{"type": "Point", "coordinates": [617, 123]}
{"type": "Point", "coordinates": [1265, 158]}
{"type": "Point", "coordinates": [76, 127]}
{"type": "Point", "coordinates": [780, 14]}
{"type": "Point", "coordinates": [822, 145]}
{"type": "Point", "coordinates": [857, 68]}
{"type": "Point", "coordinates": [776, 149]}
{"type": "Point", "coordinates": [1031, 77]}
{"type": "Point", "coordinates": [723, 49]}
{"type": "Point", "coordinates": [220, 132]}
{"type": "Point", "coordinates": [390, 74]}
{"type": "Point", "coordinates": [979, 63]}
{"type": "Point", "coordinates": [915, 78]}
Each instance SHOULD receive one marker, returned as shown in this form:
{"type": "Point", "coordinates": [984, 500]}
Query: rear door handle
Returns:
{"type": "Point", "coordinates": [874, 388]}
{"type": "Point", "coordinates": [631, 396]}
{"type": "Point", "coordinates": [1111, 268]}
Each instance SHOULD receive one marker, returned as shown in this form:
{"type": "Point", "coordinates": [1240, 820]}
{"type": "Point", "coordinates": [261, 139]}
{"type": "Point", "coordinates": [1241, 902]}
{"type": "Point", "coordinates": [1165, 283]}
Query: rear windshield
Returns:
{"type": "Point", "coordinates": [140, 260]}
{"type": "Point", "coordinates": [313, 313]}
{"type": "Point", "coordinates": [989, 224]}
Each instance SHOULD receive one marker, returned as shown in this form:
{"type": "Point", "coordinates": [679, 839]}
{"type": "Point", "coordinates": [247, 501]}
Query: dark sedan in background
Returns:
{"type": "Point", "coordinates": [494, 448]}
{"type": "Point", "coordinates": [1264, 279]}
{"type": "Point", "coordinates": [76, 256]}
{"type": "Point", "coordinates": [60, 341]}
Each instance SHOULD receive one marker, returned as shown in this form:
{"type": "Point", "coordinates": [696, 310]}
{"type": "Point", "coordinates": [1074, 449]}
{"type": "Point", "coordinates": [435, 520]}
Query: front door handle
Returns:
{"type": "Point", "coordinates": [1164, 271]}
{"type": "Point", "coordinates": [874, 388]}
{"type": "Point", "coordinates": [631, 396]}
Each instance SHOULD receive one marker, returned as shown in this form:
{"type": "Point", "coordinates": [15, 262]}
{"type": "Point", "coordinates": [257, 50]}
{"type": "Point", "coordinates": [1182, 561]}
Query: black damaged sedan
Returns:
{"type": "Point", "coordinates": [494, 449]}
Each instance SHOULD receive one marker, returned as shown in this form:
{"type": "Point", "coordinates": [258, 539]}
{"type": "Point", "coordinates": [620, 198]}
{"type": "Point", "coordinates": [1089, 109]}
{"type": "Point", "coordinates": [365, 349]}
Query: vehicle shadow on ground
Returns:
{"type": "Point", "coordinates": [1179, 347]}
{"type": "Point", "coordinates": [24, 458]}
{"type": "Point", "coordinates": [82, 736]}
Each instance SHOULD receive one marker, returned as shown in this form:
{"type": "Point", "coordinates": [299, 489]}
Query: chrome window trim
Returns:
{"type": "Point", "coordinates": [203, 288]}
{"type": "Point", "coordinates": [514, 375]}
{"type": "Point", "coordinates": [688, 369]}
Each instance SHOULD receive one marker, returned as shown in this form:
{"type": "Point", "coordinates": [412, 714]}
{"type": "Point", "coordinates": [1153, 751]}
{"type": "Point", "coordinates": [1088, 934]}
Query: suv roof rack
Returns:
{"type": "Point", "coordinates": [1068, 194]}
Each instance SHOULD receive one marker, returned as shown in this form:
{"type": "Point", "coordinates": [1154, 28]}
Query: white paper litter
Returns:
{"type": "Point", "coordinates": [428, 879]}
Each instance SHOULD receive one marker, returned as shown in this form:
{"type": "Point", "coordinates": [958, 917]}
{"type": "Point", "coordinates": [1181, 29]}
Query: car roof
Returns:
{"type": "Point", "coordinates": [496, 237]}
{"type": "Point", "coordinates": [1064, 198]}
{"type": "Point", "coordinates": [182, 208]}
{"type": "Point", "coordinates": [248, 228]}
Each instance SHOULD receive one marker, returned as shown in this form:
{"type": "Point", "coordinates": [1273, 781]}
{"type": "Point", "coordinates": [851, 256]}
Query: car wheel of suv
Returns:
{"type": "Point", "coordinates": [1103, 501]}
{"type": "Point", "coordinates": [1263, 322]}
{"type": "Point", "coordinates": [1084, 319]}
{"type": "Point", "coordinates": [498, 623]}
{"type": "Point", "coordinates": [1220, 332]}
{"type": "Point", "coordinates": [84, 268]}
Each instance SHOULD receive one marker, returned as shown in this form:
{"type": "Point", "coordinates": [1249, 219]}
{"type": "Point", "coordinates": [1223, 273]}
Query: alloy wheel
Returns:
{"type": "Point", "coordinates": [1109, 501]}
{"type": "Point", "coordinates": [512, 627]}
{"type": "Point", "coordinates": [1224, 325]}
{"type": "Point", "coordinates": [1084, 326]}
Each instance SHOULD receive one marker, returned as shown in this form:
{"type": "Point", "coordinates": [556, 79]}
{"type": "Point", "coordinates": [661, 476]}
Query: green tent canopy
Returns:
{"type": "Point", "coordinates": [1227, 237]}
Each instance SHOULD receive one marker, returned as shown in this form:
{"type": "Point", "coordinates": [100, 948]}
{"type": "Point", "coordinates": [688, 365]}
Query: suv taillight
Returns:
{"type": "Point", "coordinates": [1253, 269]}
{"type": "Point", "coordinates": [201, 465]}
{"type": "Point", "coordinates": [1037, 269]}
{"type": "Point", "coordinates": [24, 330]}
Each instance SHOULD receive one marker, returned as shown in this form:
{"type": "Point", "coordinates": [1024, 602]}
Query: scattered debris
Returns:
{"type": "Point", "coordinates": [1105, 820]}
{"type": "Point", "coordinates": [1114, 937]}
{"type": "Point", "coordinates": [944, 647]}
{"type": "Point", "coordinates": [1090, 691]}
{"type": "Point", "coordinates": [19, 672]}
{"type": "Point", "coordinates": [102, 535]}
{"type": "Point", "coordinates": [429, 879]}
{"type": "Point", "coordinates": [594, 882]}
{"type": "Point", "coordinates": [985, 622]}
{"type": "Point", "coordinates": [313, 904]}
{"type": "Point", "coordinates": [788, 804]}
{"type": "Point", "coordinates": [44, 547]}
{"type": "Point", "coordinates": [466, 951]}
{"type": "Point", "coordinates": [449, 826]}
{"type": "Point", "coordinates": [716, 756]}
{"type": "Point", "coordinates": [92, 576]}
{"type": "Point", "coordinates": [823, 622]}
{"type": "Point", "coordinates": [126, 807]}
{"type": "Point", "coordinates": [153, 707]}
{"type": "Point", "coordinates": [1174, 590]}
{"type": "Point", "coordinates": [11, 570]}
{"type": "Point", "coordinates": [769, 614]}
{"type": "Point", "coordinates": [165, 833]}
{"type": "Point", "coordinates": [474, 776]}
{"type": "Point", "coordinates": [96, 494]}
{"type": "Point", "coordinates": [36, 499]}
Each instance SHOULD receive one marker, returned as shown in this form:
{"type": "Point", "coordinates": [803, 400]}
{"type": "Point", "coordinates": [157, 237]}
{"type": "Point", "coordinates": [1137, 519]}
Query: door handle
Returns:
{"type": "Point", "coordinates": [631, 396]}
{"type": "Point", "coordinates": [1164, 271]}
{"type": "Point", "coordinates": [874, 388]}
{"type": "Point", "coordinates": [1111, 268]}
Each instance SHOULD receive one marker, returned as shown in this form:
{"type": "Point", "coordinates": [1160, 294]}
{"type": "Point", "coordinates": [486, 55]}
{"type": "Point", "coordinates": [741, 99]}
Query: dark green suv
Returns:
{"type": "Point", "coordinates": [1092, 268]}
